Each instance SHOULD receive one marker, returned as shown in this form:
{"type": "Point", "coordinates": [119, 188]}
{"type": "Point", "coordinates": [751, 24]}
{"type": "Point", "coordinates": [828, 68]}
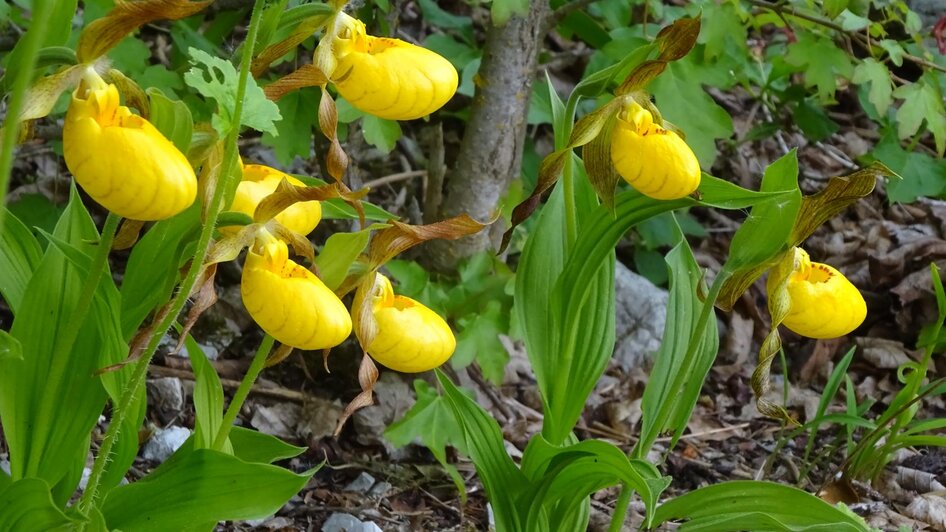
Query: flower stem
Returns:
{"type": "Point", "coordinates": [91, 497]}
{"type": "Point", "coordinates": [620, 509]}
{"type": "Point", "coordinates": [29, 48]}
{"type": "Point", "coordinates": [256, 367]}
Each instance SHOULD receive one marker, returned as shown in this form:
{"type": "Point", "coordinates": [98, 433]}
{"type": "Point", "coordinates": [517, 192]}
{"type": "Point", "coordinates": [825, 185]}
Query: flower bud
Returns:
{"type": "Point", "coordinates": [410, 337]}
{"type": "Point", "coordinates": [288, 301]}
{"type": "Point", "coordinates": [120, 159]}
{"type": "Point", "coordinates": [653, 160]}
{"type": "Point", "coordinates": [824, 304]}
{"type": "Point", "coordinates": [260, 181]}
{"type": "Point", "coordinates": [389, 78]}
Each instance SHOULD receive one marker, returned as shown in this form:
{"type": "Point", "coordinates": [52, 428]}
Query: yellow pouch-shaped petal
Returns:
{"type": "Point", "coordinates": [121, 160]}
{"type": "Point", "coordinates": [824, 304]}
{"type": "Point", "coordinates": [390, 78]}
{"type": "Point", "coordinates": [653, 160]}
{"type": "Point", "coordinates": [260, 181]}
{"type": "Point", "coordinates": [411, 338]}
{"type": "Point", "coordinates": [289, 302]}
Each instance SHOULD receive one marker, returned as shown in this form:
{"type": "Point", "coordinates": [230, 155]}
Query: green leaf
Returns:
{"type": "Point", "coordinates": [216, 78]}
{"type": "Point", "coordinates": [833, 8]}
{"type": "Point", "coordinates": [203, 486]}
{"type": "Point", "coordinates": [10, 347]}
{"type": "Point", "coordinates": [172, 118]}
{"type": "Point", "coordinates": [484, 443]}
{"type": "Point", "coordinates": [683, 101]}
{"type": "Point", "coordinates": [923, 174]}
{"type": "Point", "coordinates": [380, 133]}
{"type": "Point", "coordinates": [255, 447]}
{"type": "Point", "coordinates": [922, 101]}
{"type": "Point", "coordinates": [502, 10]}
{"type": "Point", "coordinates": [821, 61]}
{"type": "Point", "coordinates": [20, 254]}
{"type": "Point", "coordinates": [722, 28]}
{"type": "Point", "coordinates": [57, 32]}
{"type": "Point", "coordinates": [436, 16]}
{"type": "Point", "coordinates": [36, 211]}
{"type": "Point", "coordinates": [765, 232]}
{"type": "Point", "coordinates": [894, 50]}
{"type": "Point", "coordinates": [753, 505]}
{"type": "Point", "coordinates": [161, 250]}
{"type": "Point", "coordinates": [459, 54]}
{"type": "Point", "coordinates": [479, 340]}
{"type": "Point", "coordinates": [666, 408]}
{"type": "Point", "coordinates": [46, 440]}
{"type": "Point", "coordinates": [881, 86]}
{"type": "Point", "coordinates": [339, 253]}
{"type": "Point", "coordinates": [295, 129]}
{"type": "Point", "coordinates": [814, 122]}
{"type": "Point", "coordinates": [431, 421]}
{"type": "Point", "coordinates": [27, 505]}
{"type": "Point", "coordinates": [208, 397]}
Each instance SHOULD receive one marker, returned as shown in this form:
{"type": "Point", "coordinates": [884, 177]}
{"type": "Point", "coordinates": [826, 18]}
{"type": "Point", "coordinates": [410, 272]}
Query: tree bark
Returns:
{"type": "Point", "coordinates": [490, 154]}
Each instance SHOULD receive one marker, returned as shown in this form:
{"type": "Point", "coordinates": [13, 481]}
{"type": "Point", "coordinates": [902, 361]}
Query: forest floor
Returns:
{"type": "Point", "coordinates": [884, 249]}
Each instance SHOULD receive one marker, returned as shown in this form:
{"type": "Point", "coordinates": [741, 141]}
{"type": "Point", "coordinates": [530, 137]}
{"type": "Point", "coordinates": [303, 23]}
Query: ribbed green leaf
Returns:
{"type": "Point", "coordinates": [20, 254]}
{"type": "Point", "coordinates": [756, 506]}
{"type": "Point", "coordinates": [203, 486]}
{"type": "Point", "coordinates": [28, 506]}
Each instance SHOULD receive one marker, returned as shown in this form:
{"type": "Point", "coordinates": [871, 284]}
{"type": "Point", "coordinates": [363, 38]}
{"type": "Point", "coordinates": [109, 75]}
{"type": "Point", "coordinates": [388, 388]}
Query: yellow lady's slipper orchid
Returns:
{"type": "Point", "coordinates": [288, 301]}
{"type": "Point", "coordinates": [653, 160]}
{"type": "Point", "coordinates": [389, 78]}
{"type": "Point", "coordinates": [824, 304]}
{"type": "Point", "coordinates": [411, 338]}
{"type": "Point", "coordinates": [120, 159]}
{"type": "Point", "coordinates": [260, 181]}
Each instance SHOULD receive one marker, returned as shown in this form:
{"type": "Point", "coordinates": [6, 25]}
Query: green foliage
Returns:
{"type": "Point", "coordinates": [215, 78]}
{"type": "Point", "coordinates": [748, 505]}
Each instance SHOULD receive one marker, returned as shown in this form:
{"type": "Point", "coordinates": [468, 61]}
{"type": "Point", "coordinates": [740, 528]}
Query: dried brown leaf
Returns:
{"type": "Point", "coordinates": [303, 31]}
{"type": "Point", "coordinates": [389, 242]}
{"type": "Point", "coordinates": [278, 355]}
{"type": "Point", "coordinates": [105, 33]}
{"type": "Point", "coordinates": [676, 40]}
{"type": "Point", "coordinates": [128, 234]}
{"type": "Point", "coordinates": [204, 296]}
{"type": "Point", "coordinates": [287, 194]}
{"type": "Point", "coordinates": [367, 377]}
{"type": "Point", "coordinates": [336, 161]}
{"type": "Point", "coordinates": [586, 130]}
{"type": "Point", "coordinates": [641, 76]}
{"type": "Point", "coordinates": [305, 76]}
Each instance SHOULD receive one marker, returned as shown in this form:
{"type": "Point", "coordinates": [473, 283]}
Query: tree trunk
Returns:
{"type": "Point", "coordinates": [491, 151]}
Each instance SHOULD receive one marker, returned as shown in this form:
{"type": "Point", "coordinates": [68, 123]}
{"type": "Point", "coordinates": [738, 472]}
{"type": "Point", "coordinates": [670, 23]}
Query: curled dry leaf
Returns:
{"type": "Point", "coordinates": [586, 130]}
{"type": "Point", "coordinates": [287, 194]}
{"type": "Point", "coordinates": [305, 76]}
{"type": "Point", "coordinates": [673, 42]}
{"type": "Point", "coordinates": [279, 354]}
{"type": "Point", "coordinates": [337, 160]}
{"type": "Point", "coordinates": [105, 33]}
{"type": "Point", "coordinates": [597, 158]}
{"type": "Point", "coordinates": [367, 377]}
{"type": "Point", "coordinates": [303, 31]}
{"type": "Point", "coordinates": [204, 295]}
{"type": "Point", "coordinates": [400, 237]}
{"type": "Point", "coordinates": [132, 93]}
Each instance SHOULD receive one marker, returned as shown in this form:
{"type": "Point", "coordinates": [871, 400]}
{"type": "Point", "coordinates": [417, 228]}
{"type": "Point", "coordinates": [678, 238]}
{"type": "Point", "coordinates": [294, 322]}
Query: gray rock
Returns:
{"type": "Point", "coordinates": [640, 315]}
{"type": "Point", "coordinates": [164, 442]}
{"type": "Point", "coordinates": [392, 399]}
{"type": "Point", "coordinates": [166, 393]}
{"type": "Point", "coordinates": [339, 522]}
{"type": "Point", "coordinates": [379, 490]}
{"type": "Point", "coordinates": [361, 484]}
{"type": "Point", "coordinates": [5, 466]}
{"type": "Point", "coordinates": [279, 420]}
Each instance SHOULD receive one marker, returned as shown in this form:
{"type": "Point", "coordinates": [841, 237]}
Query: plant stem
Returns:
{"type": "Point", "coordinates": [42, 12]}
{"type": "Point", "coordinates": [571, 220]}
{"type": "Point", "coordinates": [259, 362]}
{"type": "Point", "coordinates": [620, 509]}
{"type": "Point", "coordinates": [80, 313]}
{"type": "Point", "coordinates": [90, 497]}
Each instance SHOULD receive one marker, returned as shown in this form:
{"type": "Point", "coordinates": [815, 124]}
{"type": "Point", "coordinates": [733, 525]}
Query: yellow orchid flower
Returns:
{"type": "Point", "coordinates": [410, 337]}
{"type": "Point", "coordinates": [652, 159]}
{"type": "Point", "coordinates": [120, 159]}
{"type": "Point", "coordinates": [388, 78]}
{"type": "Point", "coordinates": [824, 304]}
{"type": "Point", "coordinates": [288, 301]}
{"type": "Point", "coordinates": [260, 181]}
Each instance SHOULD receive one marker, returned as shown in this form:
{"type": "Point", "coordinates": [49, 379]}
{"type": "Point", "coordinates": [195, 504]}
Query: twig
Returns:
{"type": "Point", "coordinates": [230, 384]}
{"type": "Point", "coordinates": [393, 178]}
